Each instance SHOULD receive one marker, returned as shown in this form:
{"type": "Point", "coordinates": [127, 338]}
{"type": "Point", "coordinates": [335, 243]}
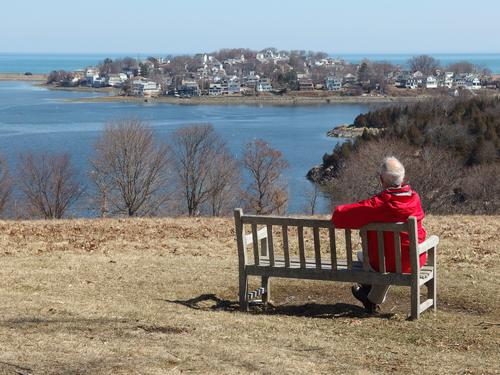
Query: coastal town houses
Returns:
{"type": "Point", "coordinates": [91, 74]}
{"type": "Point", "coordinates": [215, 89]}
{"type": "Point", "coordinates": [446, 80]}
{"type": "Point", "coordinates": [116, 80]}
{"type": "Point", "coordinates": [306, 84]}
{"type": "Point", "coordinates": [472, 82]}
{"type": "Point", "coordinates": [333, 83]}
{"type": "Point", "coordinates": [406, 80]}
{"type": "Point", "coordinates": [431, 82]}
{"type": "Point", "coordinates": [271, 56]}
{"type": "Point", "coordinates": [233, 86]}
{"type": "Point", "coordinates": [243, 74]}
{"type": "Point", "coordinates": [264, 85]}
{"type": "Point", "coordinates": [350, 78]}
{"type": "Point", "coordinates": [251, 80]}
{"type": "Point", "coordinates": [146, 88]}
{"type": "Point", "coordinates": [189, 88]}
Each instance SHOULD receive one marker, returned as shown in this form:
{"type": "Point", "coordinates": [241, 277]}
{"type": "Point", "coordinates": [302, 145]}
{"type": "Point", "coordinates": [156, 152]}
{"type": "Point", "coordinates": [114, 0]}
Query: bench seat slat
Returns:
{"type": "Point", "coordinates": [426, 272]}
{"type": "Point", "coordinates": [342, 274]}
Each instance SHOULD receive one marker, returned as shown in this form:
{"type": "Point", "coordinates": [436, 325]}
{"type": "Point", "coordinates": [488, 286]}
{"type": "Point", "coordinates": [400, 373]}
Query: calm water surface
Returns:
{"type": "Point", "coordinates": [36, 119]}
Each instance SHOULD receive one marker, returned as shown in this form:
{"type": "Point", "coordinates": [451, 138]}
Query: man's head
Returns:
{"type": "Point", "coordinates": [392, 172]}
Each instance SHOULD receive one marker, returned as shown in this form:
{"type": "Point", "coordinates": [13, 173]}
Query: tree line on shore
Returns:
{"type": "Point", "coordinates": [451, 149]}
{"type": "Point", "coordinates": [133, 173]}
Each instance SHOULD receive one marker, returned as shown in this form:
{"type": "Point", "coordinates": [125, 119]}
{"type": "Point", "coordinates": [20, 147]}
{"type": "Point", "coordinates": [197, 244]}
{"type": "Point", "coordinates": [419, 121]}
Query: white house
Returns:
{"type": "Point", "coordinates": [142, 87]}
{"type": "Point", "coordinates": [215, 89]}
{"type": "Point", "coordinates": [473, 83]}
{"type": "Point", "coordinates": [116, 80]}
{"type": "Point", "coordinates": [411, 83]}
{"type": "Point", "coordinates": [333, 83]}
{"type": "Point", "coordinates": [264, 85]}
{"type": "Point", "coordinates": [460, 80]}
{"type": "Point", "coordinates": [233, 86]}
{"type": "Point", "coordinates": [350, 78]}
{"type": "Point", "coordinates": [447, 80]}
{"type": "Point", "coordinates": [431, 82]}
{"type": "Point", "coordinates": [91, 74]}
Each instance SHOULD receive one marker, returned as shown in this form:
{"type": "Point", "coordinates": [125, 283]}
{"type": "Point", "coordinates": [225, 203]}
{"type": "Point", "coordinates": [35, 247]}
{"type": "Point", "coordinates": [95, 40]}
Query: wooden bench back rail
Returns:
{"type": "Point", "coordinates": [263, 245]}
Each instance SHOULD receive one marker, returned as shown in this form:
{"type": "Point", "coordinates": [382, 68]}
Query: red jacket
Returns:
{"type": "Point", "coordinates": [389, 206]}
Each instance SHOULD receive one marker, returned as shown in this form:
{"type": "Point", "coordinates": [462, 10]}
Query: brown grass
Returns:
{"type": "Point", "coordinates": [155, 296]}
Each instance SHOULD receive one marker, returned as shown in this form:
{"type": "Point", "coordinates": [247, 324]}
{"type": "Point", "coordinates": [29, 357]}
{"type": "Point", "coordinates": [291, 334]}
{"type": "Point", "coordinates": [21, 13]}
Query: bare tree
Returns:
{"type": "Point", "coordinates": [130, 169]}
{"type": "Point", "coordinates": [423, 63]}
{"type": "Point", "coordinates": [266, 192]}
{"type": "Point", "coordinates": [432, 172]}
{"type": "Point", "coordinates": [5, 184]}
{"type": "Point", "coordinates": [461, 67]}
{"type": "Point", "coordinates": [204, 166]}
{"type": "Point", "coordinates": [312, 194]}
{"type": "Point", "coordinates": [49, 183]}
{"type": "Point", "coordinates": [224, 180]}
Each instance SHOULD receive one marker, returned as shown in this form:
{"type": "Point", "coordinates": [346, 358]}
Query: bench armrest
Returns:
{"type": "Point", "coordinates": [429, 243]}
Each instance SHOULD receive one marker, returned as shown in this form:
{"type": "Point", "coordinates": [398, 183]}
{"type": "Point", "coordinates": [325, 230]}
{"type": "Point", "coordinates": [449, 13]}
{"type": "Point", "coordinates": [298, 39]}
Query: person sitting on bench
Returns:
{"type": "Point", "coordinates": [395, 203]}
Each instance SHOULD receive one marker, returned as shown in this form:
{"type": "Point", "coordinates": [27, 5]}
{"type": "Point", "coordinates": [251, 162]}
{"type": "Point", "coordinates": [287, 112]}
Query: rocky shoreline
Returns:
{"type": "Point", "coordinates": [321, 175]}
{"type": "Point", "coordinates": [349, 131]}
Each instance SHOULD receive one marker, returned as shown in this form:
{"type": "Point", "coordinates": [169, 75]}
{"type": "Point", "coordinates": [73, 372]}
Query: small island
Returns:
{"type": "Point", "coordinates": [351, 131]}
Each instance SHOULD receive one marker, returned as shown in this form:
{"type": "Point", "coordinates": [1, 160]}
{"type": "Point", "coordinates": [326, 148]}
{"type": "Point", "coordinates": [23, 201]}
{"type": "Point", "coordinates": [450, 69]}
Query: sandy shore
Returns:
{"type": "Point", "coordinates": [22, 77]}
{"type": "Point", "coordinates": [254, 100]}
{"type": "Point", "coordinates": [275, 100]}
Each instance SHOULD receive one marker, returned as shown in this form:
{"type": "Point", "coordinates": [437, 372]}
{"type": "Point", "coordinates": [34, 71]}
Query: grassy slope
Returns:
{"type": "Point", "coordinates": [116, 296]}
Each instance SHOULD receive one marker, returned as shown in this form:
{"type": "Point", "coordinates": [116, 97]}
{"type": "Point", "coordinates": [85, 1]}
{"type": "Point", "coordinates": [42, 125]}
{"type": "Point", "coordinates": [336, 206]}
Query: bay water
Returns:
{"type": "Point", "coordinates": [36, 119]}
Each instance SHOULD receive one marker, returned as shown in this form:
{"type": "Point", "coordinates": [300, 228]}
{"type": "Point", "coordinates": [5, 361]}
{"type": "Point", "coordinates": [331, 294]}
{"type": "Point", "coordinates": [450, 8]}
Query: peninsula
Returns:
{"type": "Point", "coordinates": [276, 77]}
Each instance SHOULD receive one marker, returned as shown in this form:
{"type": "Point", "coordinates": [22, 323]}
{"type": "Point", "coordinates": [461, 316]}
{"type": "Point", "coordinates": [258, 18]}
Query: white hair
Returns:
{"type": "Point", "coordinates": [392, 172]}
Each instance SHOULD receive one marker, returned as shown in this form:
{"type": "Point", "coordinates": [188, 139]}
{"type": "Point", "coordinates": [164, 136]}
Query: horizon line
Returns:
{"type": "Point", "coordinates": [188, 53]}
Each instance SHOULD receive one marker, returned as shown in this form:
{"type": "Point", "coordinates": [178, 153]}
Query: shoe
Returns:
{"type": "Point", "coordinates": [366, 287]}
{"type": "Point", "coordinates": [359, 292]}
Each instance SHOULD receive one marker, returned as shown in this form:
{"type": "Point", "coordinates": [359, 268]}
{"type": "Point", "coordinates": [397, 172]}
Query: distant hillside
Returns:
{"type": "Point", "coordinates": [462, 134]}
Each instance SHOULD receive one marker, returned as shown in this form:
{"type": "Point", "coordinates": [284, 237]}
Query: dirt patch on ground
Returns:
{"type": "Point", "coordinates": [159, 296]}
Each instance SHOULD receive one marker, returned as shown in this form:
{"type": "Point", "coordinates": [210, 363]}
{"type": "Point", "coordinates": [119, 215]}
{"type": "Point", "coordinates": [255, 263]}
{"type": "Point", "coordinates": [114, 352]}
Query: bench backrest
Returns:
{"type": "Point", "coordinates": [262, 243]}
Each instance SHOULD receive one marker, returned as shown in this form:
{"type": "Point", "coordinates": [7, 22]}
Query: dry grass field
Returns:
{"type": "Point", "coordinates": [156, 296]}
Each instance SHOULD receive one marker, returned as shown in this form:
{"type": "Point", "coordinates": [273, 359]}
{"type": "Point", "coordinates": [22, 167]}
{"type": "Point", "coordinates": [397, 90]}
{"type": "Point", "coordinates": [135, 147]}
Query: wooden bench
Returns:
{"type": "Point", "coordinates": [268, 260]}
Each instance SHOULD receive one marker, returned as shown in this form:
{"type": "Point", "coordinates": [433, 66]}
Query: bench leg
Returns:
{"type": "Point", "coordinates": [432, 284]}
{"type": "Point", "coordinates": [266, 284]}
{"type": "Point", "coordinates": [243, 291]}
{"type": "Point", "coordinates": [415, 300]}
{"type": "Point", "coordinates": [432, 292]}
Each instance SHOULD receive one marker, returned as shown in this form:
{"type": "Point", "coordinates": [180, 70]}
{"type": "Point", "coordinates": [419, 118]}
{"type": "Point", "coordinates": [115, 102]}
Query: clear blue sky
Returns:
{"type": "Point", "coordinates": [178, 26]}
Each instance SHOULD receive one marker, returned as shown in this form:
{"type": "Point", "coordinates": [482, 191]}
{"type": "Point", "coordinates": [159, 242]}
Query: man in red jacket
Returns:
{"type": "Point", "coordinates": [394, 204]}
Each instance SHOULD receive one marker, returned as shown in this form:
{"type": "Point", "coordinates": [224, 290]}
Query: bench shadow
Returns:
{"type": "Point", "coordinates": [210, 302]}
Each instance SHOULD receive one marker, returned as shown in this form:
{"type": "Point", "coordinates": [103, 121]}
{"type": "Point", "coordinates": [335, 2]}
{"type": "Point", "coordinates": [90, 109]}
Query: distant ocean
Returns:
{"type": "Point", "coordinates": [44, 63]}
